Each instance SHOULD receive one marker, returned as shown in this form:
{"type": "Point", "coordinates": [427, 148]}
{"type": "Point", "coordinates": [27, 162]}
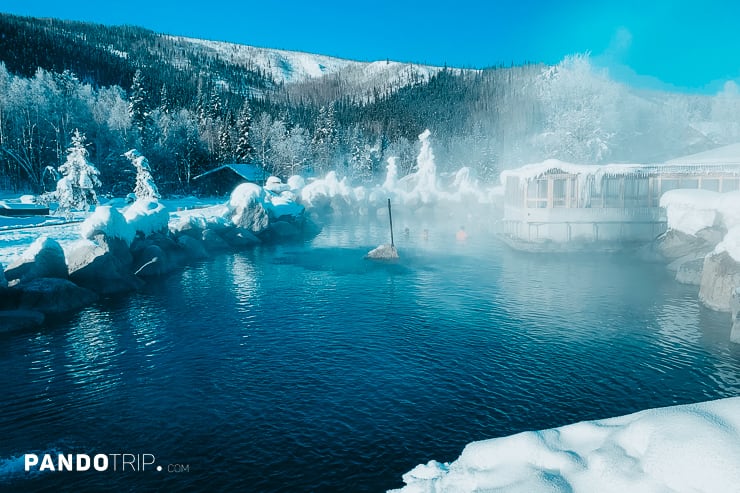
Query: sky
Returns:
{"type": "Point", "coordinates": [659, 44]}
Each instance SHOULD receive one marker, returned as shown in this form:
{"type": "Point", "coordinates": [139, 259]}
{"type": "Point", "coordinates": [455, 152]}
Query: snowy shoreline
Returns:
{"type": "Point", "coordinates": [688, 448]}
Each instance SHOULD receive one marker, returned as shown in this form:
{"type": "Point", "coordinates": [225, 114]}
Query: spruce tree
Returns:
{"type": "Point", "coordinates": [244, 149]}
{"type": "Point", "coordinates": [138, 106]}
{"type": "Point", "coordinates": [76, 188]}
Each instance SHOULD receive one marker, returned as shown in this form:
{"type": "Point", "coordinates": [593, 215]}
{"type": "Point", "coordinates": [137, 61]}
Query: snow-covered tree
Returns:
{"type": "Point", "coordinates": [324, 137]}
{"type": "Point", "coordinates": [289, 149]}
{"type": "Point", "coordinates": [76, 188]}
{"type": "Point", "coordinates": [138, 106]}
{"type": "Point", "coordinates": [244, 148]}
{"type": "Point", "coordinates": [262, 131]}
{"type": "Point", "coordinates": [580, 107]}
{"type": "Point", "coordinates": [164, 100]}
{"type": "Point", "coordinates": [225, 147]}
{"type": "Point", "coordinates": [145, 187]}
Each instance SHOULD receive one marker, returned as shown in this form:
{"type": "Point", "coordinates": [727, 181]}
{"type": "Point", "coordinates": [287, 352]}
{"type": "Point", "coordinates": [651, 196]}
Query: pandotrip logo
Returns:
{"type": "Point", "coordinates": [122, 462]}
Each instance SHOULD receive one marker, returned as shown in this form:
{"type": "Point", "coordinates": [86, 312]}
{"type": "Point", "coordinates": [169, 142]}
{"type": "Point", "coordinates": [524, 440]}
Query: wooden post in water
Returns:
{"type": "Point", "coordinates": [390, 219]}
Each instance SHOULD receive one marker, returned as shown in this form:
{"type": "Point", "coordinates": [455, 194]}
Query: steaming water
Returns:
{"type": "Point", "coordinates": [306, 368]}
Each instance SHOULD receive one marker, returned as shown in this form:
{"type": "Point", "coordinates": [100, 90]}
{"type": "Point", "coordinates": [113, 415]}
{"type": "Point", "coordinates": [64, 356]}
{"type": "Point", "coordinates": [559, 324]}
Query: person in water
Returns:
{"type": "Point", "coordinates": [461, 235]}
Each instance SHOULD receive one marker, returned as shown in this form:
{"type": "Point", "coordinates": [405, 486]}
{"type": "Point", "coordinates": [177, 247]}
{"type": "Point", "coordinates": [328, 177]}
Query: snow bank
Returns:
{"type": "Point", "coordinates": [296, 183]}
{"type": "Point", "coordinates": [730, 244]}
{"type": "Point", "coordinates": [147, 216]}
{"type": "Point", "coordinates": [41, 243]}
{"type": "Point", "coordinates": [691, 448]}
{"type": "Point", "coordinates": [729, 208]}
{"type": "Point", "coordinates": [323, 191]}
{"type": "Point", "coordinates": [109, 221]}
{"type": "Point", "coordinates": [282, 205]}
{"type": "Point", "coordinates": [690, 211]}
{"type": "Point", "coordinates": [216, 216]}
{"type": "Point", "coordinates": [245, 196]}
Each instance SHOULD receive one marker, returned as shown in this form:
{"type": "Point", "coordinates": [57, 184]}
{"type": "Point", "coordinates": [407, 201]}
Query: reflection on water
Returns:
{"type": "Point", "coordinates": [305, 367]}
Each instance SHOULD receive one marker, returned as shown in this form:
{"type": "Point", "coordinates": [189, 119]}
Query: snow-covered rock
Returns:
{"type": "Point", "coordinates": [283, 229]}
{"type": "Point", "coordinates": [195, 221]}
{"type": "Point", "coordinates": [156, 255]}
{"type": "Point", "coordinates": [690, 211]}
{"type": "Point", "coordinates": [275, 184]}
{"type": "Point", "coordinates": [192, 248]}
{"type": "Point", "coordinates": [108, 221]}
{"type": "Point", "coordinates": [735, 307]}
{"type": "Point", "coordinates": [283, 206]}
{"type": "Point", "coordinates": [147, 216]}
{"type": "Point", "coordinates": [720, 276]}
{"type": "Point", "coordinates": [327, 192]}
{"type": "Point", "coordinates": [674, 244]}
{"type": "Point", "coordinates": [44, 258]}
{"type": "Point", "coordinates": [690, 272]}
{"type": "Point", "coordinates": [681, 449]}
{"type": "Point", "coordinates": [151, 261]}
{"type": "Point", "coordinates": [240, 237]}
{"type": "Point", "coordinates": [213, 242]}
{"type": "Point", "coordinates": [296, 183]}
{"type": "Point", "coordinates": [95, 267]}
{"type": "Point", "coordinates": [247, 210]}
{"type": "Point", "coordinates": [53, 296]}
{"type": "Point", "coordinates": [383, 252]}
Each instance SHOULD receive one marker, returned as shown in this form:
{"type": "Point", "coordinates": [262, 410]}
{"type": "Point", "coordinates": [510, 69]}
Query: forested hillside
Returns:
{"type": "Point", "coordinates": [190, 106]}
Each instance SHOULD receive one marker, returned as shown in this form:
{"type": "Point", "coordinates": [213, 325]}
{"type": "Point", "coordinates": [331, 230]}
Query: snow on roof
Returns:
{"type": "Point", "coordinates": [249, 172]}
{"type": "Point", "coordinates": [729, 154]}
{"type": "Point", "coordinates": [598, 171]}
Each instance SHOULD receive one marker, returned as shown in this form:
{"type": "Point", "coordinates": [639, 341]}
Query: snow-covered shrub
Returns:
{"type": "Point", "coordinates": [145, 187]}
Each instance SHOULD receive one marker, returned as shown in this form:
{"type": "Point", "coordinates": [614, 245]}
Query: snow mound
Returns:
{"type": "Point", "coordinates": [690, 211]}
{"type": "Point", "coordinates": [321, 192]}
{"type": "Point", "coordinates": [245, 196]}
{"type": "Point", "coordinates": [729, 208]}
{"type": "Point", "coordinates": [147, 216]}
{"type": "Point", "coordinates": [282, 205]}
{"type": "Point", "coordinates": [204, 218]}
{"type": "Point", "coordinates": [108, 221]}
{"type": "Point", "coordinates": [422, 187]}
{"type": "Point", "coordinates": [41, 243]}
{"type": "Point", "coordinates": [690, 448]}
{"type": "Point", "coordinates": [730, 244]}
{"type": "Point", "coordinates": [296, 182]}
{"type": "Point", "coordinates": [274, 184]}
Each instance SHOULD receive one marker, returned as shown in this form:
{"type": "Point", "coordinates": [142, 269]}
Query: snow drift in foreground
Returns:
{"type": "Point", "coordinates": [691, 448]}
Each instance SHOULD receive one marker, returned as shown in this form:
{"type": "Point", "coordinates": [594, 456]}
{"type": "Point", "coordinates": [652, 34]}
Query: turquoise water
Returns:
{"type": "Point", "coordinates": [304, 367]}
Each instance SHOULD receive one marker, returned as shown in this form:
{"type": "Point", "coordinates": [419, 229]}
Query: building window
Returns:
{"type": "Point", "coordinates": [537, 194]}
{"type": "Point", "coordinates": [729, 184]}
{"type": "Point", "coordinates": [668, 184]}
{"type": "Point", "coordinates": [636, 192]}
{"type": "Point", "coordinates": [613, 192]}
{"type": "Point", "coordinates": [559, 192]}
{"type": "Point", "coordinates": [710, 184]}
